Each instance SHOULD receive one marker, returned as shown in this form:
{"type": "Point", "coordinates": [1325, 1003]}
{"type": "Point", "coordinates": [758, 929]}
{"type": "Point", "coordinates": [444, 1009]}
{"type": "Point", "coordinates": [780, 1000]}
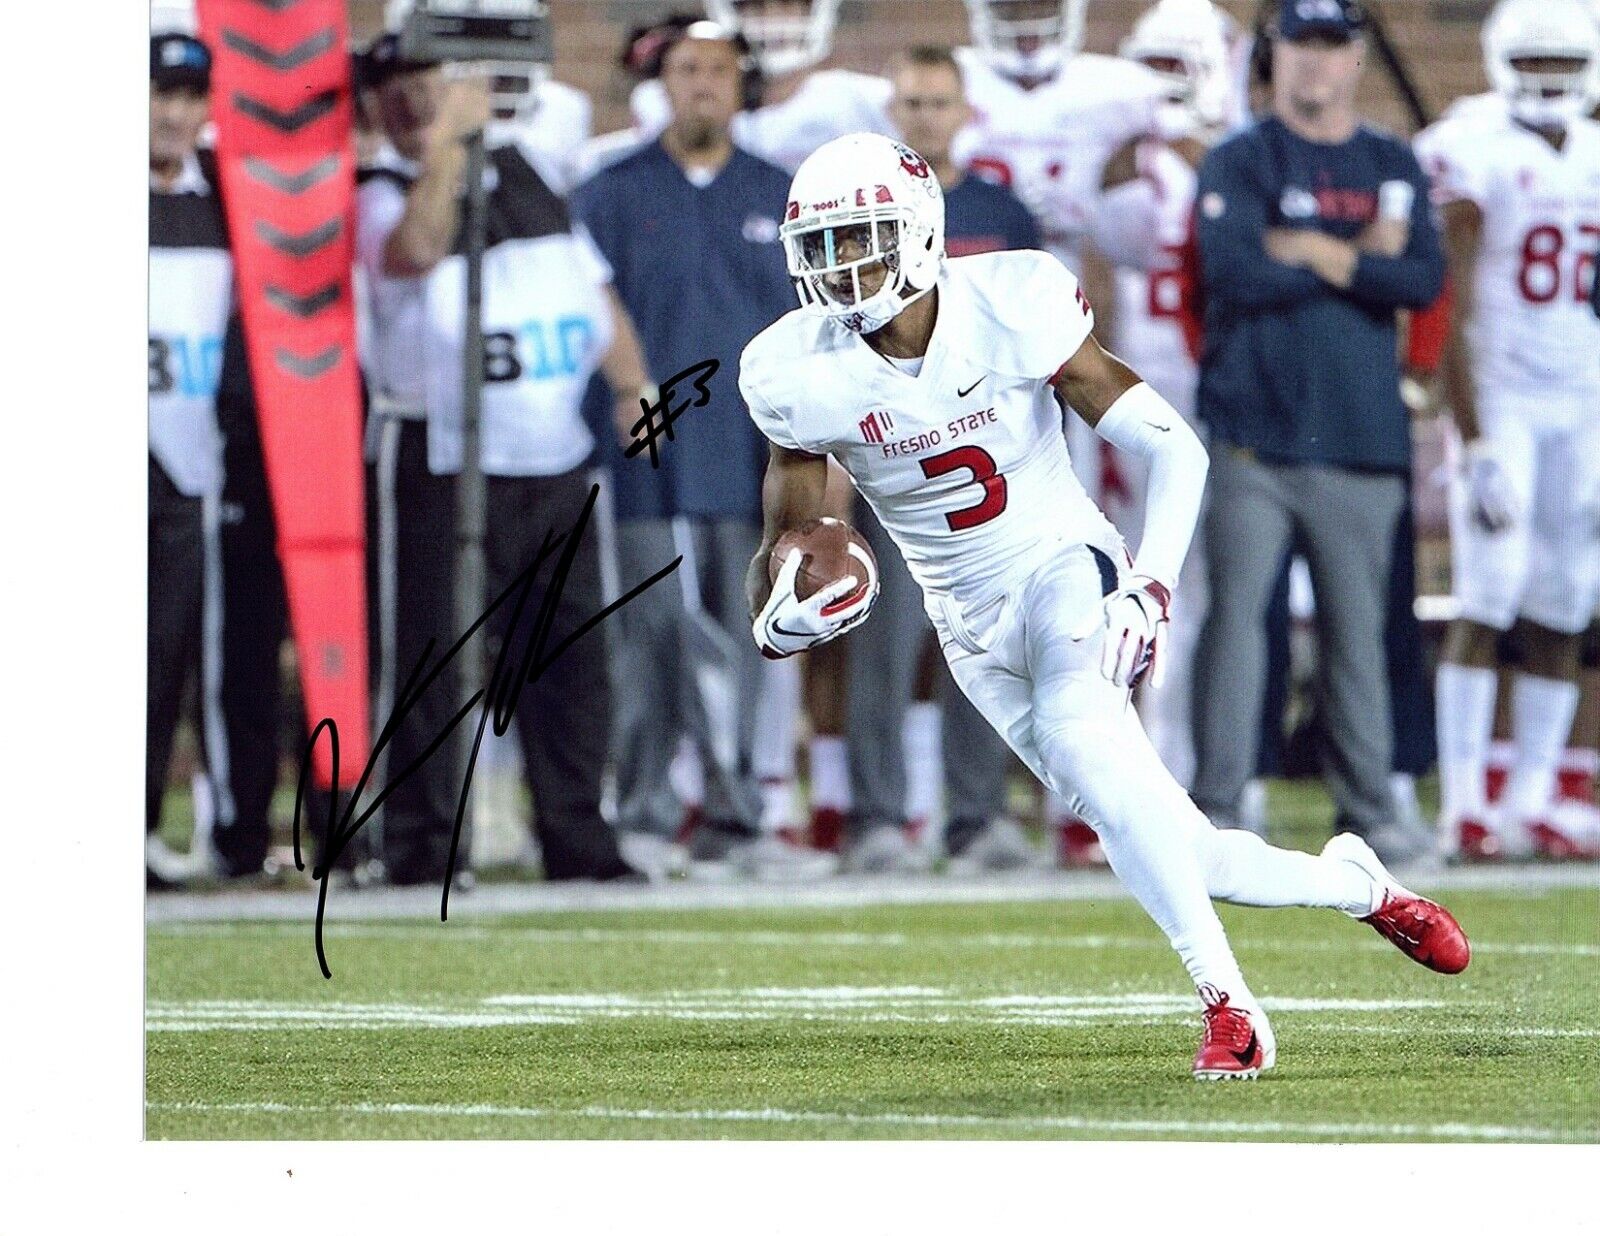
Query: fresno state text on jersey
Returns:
{"type": "Point", "coordinates": [964, 463]}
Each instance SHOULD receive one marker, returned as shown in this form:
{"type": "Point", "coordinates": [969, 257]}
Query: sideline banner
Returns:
{"type": "Point", "coordinates": [282, 109]}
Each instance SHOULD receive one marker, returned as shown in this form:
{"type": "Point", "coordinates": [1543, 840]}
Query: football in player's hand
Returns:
{"type": "Point", "coordinates": [826, 545]}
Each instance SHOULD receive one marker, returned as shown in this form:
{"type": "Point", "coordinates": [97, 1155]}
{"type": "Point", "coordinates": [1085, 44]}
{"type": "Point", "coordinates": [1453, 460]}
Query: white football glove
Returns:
{"type": "Point", "coordinates": [787, 625]}
{"type": "Point", "coordinates": [1134, 620]}
{"type": "Point", "coordinates": [1489, 488]}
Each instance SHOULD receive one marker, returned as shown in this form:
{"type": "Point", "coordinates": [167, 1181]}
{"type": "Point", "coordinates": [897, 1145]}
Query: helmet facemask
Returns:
{"type": "Point", "coordinates": [1543, 58]}
{"type": "Point", "coordinates": [783, 42]}
{"type": "Point", "coordinates": [1027, 38]}
{"type": "Point", "coordinates": [836, 263]}
{"type": "Point", "coordinates": [1546, 96]}
{"type": "Point", "coordinates": [1196, 95]}
{"type": "Point", "coordinates": [1182, 43]}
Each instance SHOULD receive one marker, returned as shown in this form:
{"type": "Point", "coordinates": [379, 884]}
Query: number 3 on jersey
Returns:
{"type": "Point", "coordinates": [981, 464]}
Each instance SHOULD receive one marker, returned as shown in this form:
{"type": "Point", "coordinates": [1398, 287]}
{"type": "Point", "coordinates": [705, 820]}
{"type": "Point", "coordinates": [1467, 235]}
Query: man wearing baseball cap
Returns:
{"type": "Point", "coordinates": [1313, 231]}
{"type": "Point", "coordinates": [191, 279]}
{"type": "Point", "coordinates": [180, 102]}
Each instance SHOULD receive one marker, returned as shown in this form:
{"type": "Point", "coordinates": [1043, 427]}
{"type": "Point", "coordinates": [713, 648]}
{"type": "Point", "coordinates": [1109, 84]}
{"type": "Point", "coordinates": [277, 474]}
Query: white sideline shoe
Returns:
{"type": "Point", "coordinates": [886, 850]}
{"type": "Point", "coordinates": [1000, 845]}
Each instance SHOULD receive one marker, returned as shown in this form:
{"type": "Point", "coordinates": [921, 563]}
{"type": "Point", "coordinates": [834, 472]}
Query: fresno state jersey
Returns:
{"type": "Point", "coordinates": [965, 463]}
{"type": "Point", "coordinates": [1145, 227]}
{"type": "Point", "coordinates": [830, 103]}
{"type": "Point", "coordinates": [1533, 337]}
{"type": "Point", "coordinates": [1050, 145]}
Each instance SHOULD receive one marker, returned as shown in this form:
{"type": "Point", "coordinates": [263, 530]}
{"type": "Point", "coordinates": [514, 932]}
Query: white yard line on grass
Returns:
{"type": "Point", "coordinates": [922, 1120]}
{"type": "Point", "coordinates": [913, 1005]}
{"type": "Point", "coordinates": [1513, 1032]}
{"type": "Point", "coordinates": [489, 900]}
{"type": "Point", "coordinates": [671, 937]}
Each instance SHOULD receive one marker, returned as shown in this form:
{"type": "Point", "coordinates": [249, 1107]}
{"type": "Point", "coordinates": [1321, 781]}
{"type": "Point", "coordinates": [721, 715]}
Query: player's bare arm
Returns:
{"type": "Point", "coordinates": [1463, 233]}
{"type": "Point", "coordinates": [1124, 165]}
{"type": "Point", "coordinates": [1121, 167]}
{"type": "Point", "coordinates": [1491, 499]}
{"type": "Point", "coordinates": [624, 368]}
{"type": "Point", "coordinates": [1092, 380]}
{"type": "Point", "coordinates": [791, 493]}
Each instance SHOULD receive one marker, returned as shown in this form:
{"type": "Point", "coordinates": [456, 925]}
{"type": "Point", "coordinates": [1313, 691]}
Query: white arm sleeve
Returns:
{"type": "Point", "coordinates": [1145, 424]}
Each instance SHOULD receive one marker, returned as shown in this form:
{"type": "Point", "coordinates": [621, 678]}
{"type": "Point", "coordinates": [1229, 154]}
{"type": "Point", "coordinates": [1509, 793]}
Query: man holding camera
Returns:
{"type": "Point", "coordinates": [549, 320]}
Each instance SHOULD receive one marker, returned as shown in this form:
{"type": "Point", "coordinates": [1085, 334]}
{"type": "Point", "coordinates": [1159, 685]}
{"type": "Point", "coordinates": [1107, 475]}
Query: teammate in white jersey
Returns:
{"type": "Point", "coordinates": [939, 386]}
{"type": "Point", "coordinates": [1520, 192]}
{"type": "Point", "coordinates": [1047, 117]}
{"type": "Point", "coordinates": [1144, 224]}
{"type": "Point", "coordinates": [1142, 221]}
{"type": "Point", "coordinates": [802, 103]}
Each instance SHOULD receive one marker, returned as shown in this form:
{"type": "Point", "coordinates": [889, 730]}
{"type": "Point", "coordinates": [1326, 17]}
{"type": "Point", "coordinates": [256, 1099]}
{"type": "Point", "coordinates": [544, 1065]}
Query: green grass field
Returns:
{"type": "Point", "coordinates": [1043, 1019]}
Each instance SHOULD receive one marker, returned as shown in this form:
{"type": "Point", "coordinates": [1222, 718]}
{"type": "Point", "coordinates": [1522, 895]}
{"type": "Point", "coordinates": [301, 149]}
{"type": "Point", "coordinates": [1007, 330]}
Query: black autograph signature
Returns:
{"type": "Point", "coordinates": [657, 417]}
{"type": "Point", "coordinates": [498, 699]}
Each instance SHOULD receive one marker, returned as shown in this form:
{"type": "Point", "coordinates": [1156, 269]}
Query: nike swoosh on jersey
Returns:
{"type": "Point", "coordinates": [1162, 428]}
{"type": "Point", "coordinates": [962, 394]}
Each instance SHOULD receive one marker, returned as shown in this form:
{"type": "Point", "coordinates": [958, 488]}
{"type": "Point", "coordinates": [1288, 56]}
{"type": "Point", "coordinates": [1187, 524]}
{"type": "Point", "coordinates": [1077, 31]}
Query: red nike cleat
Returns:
{"type": "Point", "coordinates": [1230, 1047]}
{"type": "Point", "coordinates": [1421, 929]}
{"type": "Point", "coordinates": [1575, 785]}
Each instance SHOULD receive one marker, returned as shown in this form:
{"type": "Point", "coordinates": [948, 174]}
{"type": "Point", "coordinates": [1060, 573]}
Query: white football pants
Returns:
{"type": "Point", "coordinates": [1045, 694]}
{"type": "Point", "coordinates": [1546, 565]}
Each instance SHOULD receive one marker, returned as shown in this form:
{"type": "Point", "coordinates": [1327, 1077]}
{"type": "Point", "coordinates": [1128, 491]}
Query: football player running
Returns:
{"type": "Point", "coordinates": [939, 386]}
{"type": "Point", "coordinates": [1519, 187]}
{"type": "Point", "coordinates": [1144, 224]}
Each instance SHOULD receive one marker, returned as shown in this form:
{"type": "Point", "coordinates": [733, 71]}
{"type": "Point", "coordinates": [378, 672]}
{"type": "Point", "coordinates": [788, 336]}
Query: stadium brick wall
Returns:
{"type": "Point", "coordinates": [1437, 38]}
